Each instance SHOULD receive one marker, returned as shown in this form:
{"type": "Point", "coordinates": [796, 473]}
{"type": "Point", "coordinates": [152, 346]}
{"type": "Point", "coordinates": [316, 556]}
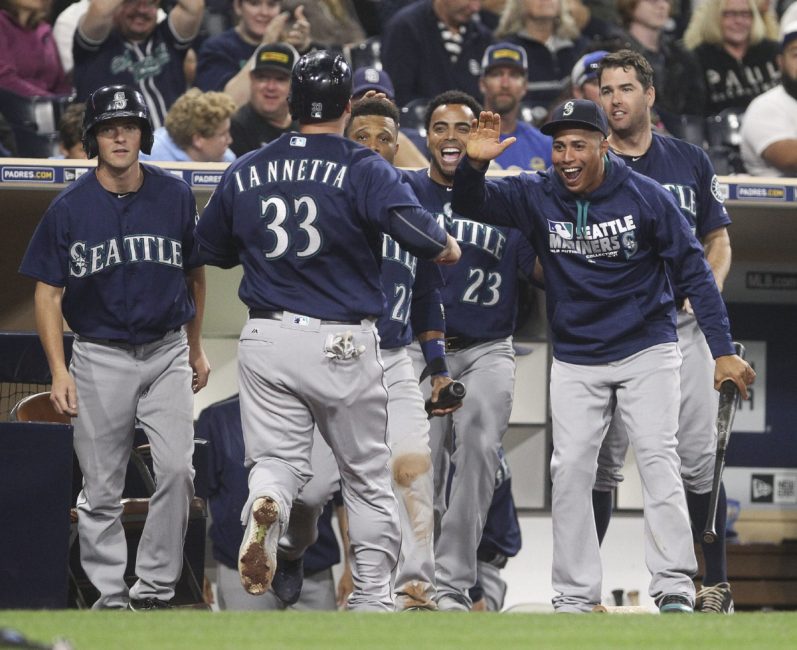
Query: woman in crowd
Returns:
{"type": "Point", "coordinates": [197, 129]}
{"type": "Point", "coordinates": [548, 32]}
{"type": "Point", "coordinates": [29, 61]}
{"type": "Point", "coordinates": [728, 37]}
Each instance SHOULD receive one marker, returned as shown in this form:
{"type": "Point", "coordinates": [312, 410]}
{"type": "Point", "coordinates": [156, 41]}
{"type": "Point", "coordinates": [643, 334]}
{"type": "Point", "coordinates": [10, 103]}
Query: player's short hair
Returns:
{"type": "Point", "coordinates": [70, 126]}
{"type": "Point", "coordinates": [451, 97]}
{"type": "Point", "coordinates": [196, 112]}
{"type": "Point", "coordinates": [628, 59]}
{"type": "Point", "coordinates": [374, 106]}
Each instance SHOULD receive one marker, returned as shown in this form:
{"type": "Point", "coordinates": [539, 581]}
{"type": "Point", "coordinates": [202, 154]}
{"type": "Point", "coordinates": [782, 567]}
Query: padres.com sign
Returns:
{"type": "Point", "coordinates": [28, 175]}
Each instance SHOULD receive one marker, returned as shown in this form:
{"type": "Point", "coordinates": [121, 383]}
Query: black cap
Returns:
{"type": "Point", "coordinates": [280, 57]}
{"type": "Point", "coordinates": [577, 114]}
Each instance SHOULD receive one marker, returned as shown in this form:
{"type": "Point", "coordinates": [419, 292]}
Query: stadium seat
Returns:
{"type": "Point", "coordinates": [724, 136]}
{"type": "Point", "coordinates": [34, 121]}
{"type": "Point", "coordinates": [413, 115]}
{"type": "Point", "coordinates": [365, 54]}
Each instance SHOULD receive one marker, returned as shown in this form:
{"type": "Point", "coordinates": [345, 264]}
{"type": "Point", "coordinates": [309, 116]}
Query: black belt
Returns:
{"type": "Point", "coordinates": [455, 343]}
{"type": "Point", "coordinates": [124, 343]}
{"type": "Point", "coordinates": [279, 315]}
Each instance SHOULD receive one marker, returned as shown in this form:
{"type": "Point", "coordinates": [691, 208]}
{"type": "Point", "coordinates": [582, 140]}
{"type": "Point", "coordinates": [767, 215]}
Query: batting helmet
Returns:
{"type": "Point", "coordinates": [320, 87]}
{"type": "Point", "coordinates": [109, 103]}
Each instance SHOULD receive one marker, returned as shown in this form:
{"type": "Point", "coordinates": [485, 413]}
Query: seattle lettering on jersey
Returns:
{"type": "Point", "coordinates": [392, 252]}
{"type": "Point", "coordinates": [465, 231]}
{"type": "Point", "coordinates": [604, 239]}
{"type": "Point", "coordinates": [290, 170]}
{"type": "Point", "coordinates": [87, 260]}
{"type": "Point", "coordinates": [687, 200]}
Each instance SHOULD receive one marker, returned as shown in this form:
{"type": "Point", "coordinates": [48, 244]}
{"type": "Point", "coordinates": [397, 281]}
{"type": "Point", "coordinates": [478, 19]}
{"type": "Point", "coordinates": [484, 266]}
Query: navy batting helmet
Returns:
{"type": "Point", "coordinates": [109, 103]}
{"type": "Point", "coordinates": [320, 87]}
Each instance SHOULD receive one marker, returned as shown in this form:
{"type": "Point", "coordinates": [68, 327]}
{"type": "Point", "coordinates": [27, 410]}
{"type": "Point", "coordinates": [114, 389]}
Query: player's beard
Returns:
{"type": "Point", "coordinates": [789, 85]}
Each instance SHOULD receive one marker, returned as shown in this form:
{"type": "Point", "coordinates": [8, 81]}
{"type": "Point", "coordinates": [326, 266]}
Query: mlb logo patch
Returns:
{"type": "Point", "coordinates": [563, 229]}
{"type": "Point", "coordinates": [302, 321]}
{"type": "Point", "coordinates": [298, 141]}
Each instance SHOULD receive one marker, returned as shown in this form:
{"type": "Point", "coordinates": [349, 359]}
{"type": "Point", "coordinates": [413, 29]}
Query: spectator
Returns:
{"type": "Point", "coordinates": [432, 46]}
{"type": "Point", "coordinates": [769, 129]}
{"type": "Point", "coordinates": [121, 42]}
{"type": "Point", "coordinates": [550, 36]}
{"type": "Point", "coordinates": [29, 63]}
{"type": "Point", "coordinates": [265, 116]}
{"type": "Point", "coordinates": [197, 129]}
{"type": "Point", "coordinates": [411, 144]}
{"type": "Point", "coordinates": [728, 37]}
{"type": "Point", "coordinates": [70, 132]}
{"type": "Point", "coordinates": [332, 22]}
{"type": "Point", "coordinates": [503, 83]}
{"type": "Point", "coordinates": [224, 61]}
{"type": "Point", "coordinates": [584, 78]}
{"type": "Point", "coordinates": [676, 74]}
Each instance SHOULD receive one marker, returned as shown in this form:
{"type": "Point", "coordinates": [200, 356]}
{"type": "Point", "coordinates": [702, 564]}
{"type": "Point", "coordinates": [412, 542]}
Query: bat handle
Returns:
{"type": "Point", "coordinates": [710, 536]}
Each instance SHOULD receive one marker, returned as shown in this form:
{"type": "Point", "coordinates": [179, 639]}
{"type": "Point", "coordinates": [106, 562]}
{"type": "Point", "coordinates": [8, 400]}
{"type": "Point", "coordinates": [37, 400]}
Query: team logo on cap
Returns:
{"type": "Point", "coordinates": [119, 101]}
{"type": "Point", "coordinates": [568, 109]}
{"type": "Point", "coordinates": [507, 54]}
{"type": "Point", "coordinates": [372, 75]}
{"type": "Point", "coordinates": [277, 57]}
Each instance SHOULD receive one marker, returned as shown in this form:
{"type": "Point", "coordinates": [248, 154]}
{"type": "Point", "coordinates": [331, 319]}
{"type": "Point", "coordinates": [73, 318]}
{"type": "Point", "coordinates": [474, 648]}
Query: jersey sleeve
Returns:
{"type": "Point", "coordinates": [712, 213]}
{"type": "Point", "coordinates": [214, 242]}
{"type": "Point", "coordinates": [690, 271]}
{"type": "Point", "coordinates": [190, 219]}
{"type": "Point", "coordinates": [427, 303]}
{"type": "Point", "coordinates": [46, 257]}
{"type": "Point", "coordinates": [500, 202]}
{"type": "Point", "coordinates": [526, 255]}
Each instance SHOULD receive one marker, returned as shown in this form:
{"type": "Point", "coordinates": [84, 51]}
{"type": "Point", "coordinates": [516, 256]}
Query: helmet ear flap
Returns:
{"type": "Point", "coordinates": [147, 137]}
{"type": "Point", "coordinates": [90, 145]}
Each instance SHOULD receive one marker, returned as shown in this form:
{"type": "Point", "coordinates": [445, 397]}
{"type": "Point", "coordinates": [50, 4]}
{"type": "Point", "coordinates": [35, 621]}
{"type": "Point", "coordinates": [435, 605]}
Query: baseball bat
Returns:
{"type": "Point", "coordinates": [450, 395]}
{"type": "Point", "coordinates": [729, 398]}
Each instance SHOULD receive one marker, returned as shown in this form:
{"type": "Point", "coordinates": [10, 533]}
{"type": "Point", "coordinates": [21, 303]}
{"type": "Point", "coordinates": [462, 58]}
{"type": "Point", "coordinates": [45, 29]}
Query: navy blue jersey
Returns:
{"type": "Point", "coordinates": [411, 287]}
{"type": "Point", "coordinates": [154, 67]}
{"type": "Point", "coordinates": [686, 171]}
{"type": "Point", "coordinates": [228, 489]}
{"type": "Point", "coordinates": [480, 293]}
{"type": "Point", "coordinates": [531, 152]}
{"type": "Point", "coordinates": [608, 295]}
{"type": "Point", "coordinates": [305, 215]}
{"type": "Point", "coordinates": [220, 58]}
{"type": "Point", "coordinates": [122, 261]}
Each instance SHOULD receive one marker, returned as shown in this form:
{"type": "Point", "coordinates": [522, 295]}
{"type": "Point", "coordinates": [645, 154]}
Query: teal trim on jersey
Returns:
{"type": "Point", "coordinates": [581, 217]}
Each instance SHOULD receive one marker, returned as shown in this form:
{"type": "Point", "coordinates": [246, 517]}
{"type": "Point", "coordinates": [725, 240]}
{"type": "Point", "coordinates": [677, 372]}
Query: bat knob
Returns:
{"type": "Point", "coordinates": [709, 536]}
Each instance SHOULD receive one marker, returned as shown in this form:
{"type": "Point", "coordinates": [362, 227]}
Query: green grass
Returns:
{"type": "Point", "coordinates": [346, 631]}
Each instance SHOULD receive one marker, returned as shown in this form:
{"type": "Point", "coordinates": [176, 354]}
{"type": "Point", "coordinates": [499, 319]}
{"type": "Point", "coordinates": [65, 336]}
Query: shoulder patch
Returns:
{"type": "Point", "coordinates": [718, 191]}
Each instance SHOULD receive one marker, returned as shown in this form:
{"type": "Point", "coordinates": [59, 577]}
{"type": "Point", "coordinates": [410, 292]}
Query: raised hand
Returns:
{"type": "Point", "coordinates": [484, 142]}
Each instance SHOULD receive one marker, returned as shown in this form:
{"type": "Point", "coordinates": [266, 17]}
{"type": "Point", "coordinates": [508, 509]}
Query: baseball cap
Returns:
{"type": "Point", "coordinates": [505, 54]}
{"type": "Point", "coordinates": [789, 33]}
{"type": "Point", "coordinates": [366, 79]}
{"type": "Point", "coordinates": [276, 56]}
{"type": "Point", "coordinates": [586, 68]}
{"type": "Point", "coordinates": [577, 114]}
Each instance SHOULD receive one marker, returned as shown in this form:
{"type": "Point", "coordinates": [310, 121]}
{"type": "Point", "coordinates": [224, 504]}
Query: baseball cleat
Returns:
{"type": "Point", "coordinates": [715, 599]}
{"type": "Point", "coordinates": [147, 604]}
{"type": "Point", "coordinates": [288, 580]}
{"type": "Point", "coordinates": [675, 604]}
{"type": "Point", "coordinates": [257, 560]}
{"type": "Point", "coordinates": [452, 603]}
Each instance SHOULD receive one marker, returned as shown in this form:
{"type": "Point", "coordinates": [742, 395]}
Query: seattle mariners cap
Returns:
{"type": "Point", "coordinates": [507, 54]}
{"type": "Point", "coordinates": [366, 79]}
{"type": "Point", "coordinates": [577, 114]}
{"type": "Point", "coordinates": [280, 57]}
{"type": "Point", "coordinates": [586, 68]}
{"type": "Point", "coordinates": [788, 34]}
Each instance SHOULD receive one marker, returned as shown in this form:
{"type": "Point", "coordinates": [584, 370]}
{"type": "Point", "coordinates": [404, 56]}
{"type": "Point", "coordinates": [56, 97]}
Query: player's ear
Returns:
{"type": "Point", "coordinates": [651, 96]}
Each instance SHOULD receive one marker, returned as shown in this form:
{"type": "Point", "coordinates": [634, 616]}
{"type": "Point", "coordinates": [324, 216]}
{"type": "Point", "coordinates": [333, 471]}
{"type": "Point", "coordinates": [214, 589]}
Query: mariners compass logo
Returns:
{"type": "Point", "coordinates": [568, 109]}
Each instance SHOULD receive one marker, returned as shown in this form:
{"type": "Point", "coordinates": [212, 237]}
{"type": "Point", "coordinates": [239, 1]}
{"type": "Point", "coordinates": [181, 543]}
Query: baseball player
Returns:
{"type": "Point", "coordinates": [116, 262]}
{"type": "Point", "coordinates": [479, 299]}
{"type": "Point", "coordinates": [411, 289]}
{"type": "Point", "coordinates": [604, 235]}
{"type": "Point", "coordinates": [304, 215]}
{"type": "Point", "coordinates": [627, 95]}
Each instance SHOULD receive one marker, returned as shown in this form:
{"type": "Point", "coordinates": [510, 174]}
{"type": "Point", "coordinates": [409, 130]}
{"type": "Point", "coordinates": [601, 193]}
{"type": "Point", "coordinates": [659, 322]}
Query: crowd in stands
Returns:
{"type": "Point", "coordinates": [711, 58]}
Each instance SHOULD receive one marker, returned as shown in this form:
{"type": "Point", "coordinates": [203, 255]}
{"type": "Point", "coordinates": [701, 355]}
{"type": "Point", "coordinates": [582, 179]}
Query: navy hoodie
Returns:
{"type": "Point", "coordinates": [604, 255]}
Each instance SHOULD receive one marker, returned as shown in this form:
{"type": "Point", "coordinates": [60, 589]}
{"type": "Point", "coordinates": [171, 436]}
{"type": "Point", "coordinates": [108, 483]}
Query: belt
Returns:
{"type": "Point", "coordinates": [455, 343]}
{"type": "Point", "coordinates": [679, 303]}
{"type": "Point", "coordinates": [123, 343]}
{"type": "Point", "coordinates": [280, 315]}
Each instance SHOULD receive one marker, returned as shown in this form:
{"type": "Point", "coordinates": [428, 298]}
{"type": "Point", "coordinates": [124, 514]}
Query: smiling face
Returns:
{"type": "Point", "coordinates": [377, 132]}
{"type": "Point", "coordinates": [118, 142]}
{"type": "Point", "coordinates": [578, 158]}
{"type": "Point", "coordinates": [255, 16]}
{"type": "Point", "coordinates": [736, 21]}
{"type": "Point", "coordinates": [449, 129]}
{"type": "Point", "coordinates": [626, 103]}
{"type": "Point", "coordinates": [269, 93]}
{"type": "Point", "coordinates": [652, 14]}
{"type": "Point", "coordinates": [136, 19]}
